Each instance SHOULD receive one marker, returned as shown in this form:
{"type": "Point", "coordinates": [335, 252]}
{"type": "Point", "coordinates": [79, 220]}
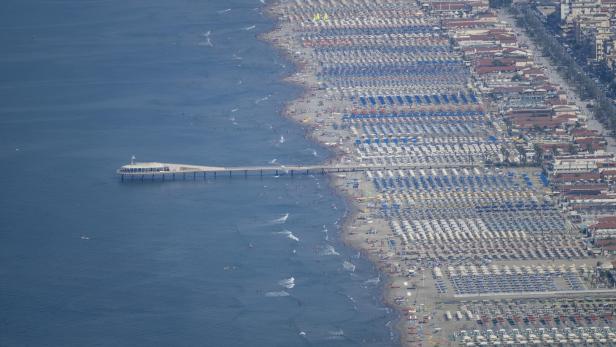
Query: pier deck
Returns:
{"type": "Point", "coordinates": [152, 170]}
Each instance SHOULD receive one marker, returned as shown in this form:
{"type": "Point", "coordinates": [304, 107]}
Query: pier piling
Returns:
{"type": "Point", "coordinates": [140, 173]}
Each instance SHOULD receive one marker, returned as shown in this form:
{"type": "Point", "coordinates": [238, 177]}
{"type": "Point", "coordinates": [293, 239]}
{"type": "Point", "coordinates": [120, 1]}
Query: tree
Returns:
{"type": "Point", "coordinates": [604, 110]}
{"type": "Point", "coordinates": [538, 154]}
{"type": "Point", "coordinates": [589, 148]}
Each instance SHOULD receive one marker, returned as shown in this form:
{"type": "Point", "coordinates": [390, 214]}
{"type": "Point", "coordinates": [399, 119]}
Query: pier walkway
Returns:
{"type": "Point", "coordinates": [153, 170]}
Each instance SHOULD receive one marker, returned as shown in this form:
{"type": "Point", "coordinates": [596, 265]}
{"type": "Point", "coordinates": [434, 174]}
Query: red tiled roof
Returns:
{"type": "Point", "coordinates": [569, 177]}
{"type": "Point", "coordinates": [605, 223]}
{"type": "Point", "coordinates": [608, 173]}
{"type": "Point", "coordinates": [583, 132]}
{"type": "Point", "coordinates": [489, 69]}
{"type": "Point", "coordinates": [446, 6]}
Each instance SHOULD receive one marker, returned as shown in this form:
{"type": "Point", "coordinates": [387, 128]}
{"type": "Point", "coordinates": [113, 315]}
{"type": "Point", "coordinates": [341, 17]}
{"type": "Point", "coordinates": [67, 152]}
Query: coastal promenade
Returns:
{"type": "Point", "coordinates": [153, 170]}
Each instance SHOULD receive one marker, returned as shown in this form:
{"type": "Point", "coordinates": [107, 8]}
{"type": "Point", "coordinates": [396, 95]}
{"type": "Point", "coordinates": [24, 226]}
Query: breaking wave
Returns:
{"type": "Point", "coordinates": [373, 281]}
{"type": "Point", "coordinates": [336, 334]}
{"type": "Point", "coordinates": [289, 235]}
{"type": "Point", "coordinates": [276, 294]}
{"type": "Point", "coordinates": [265, 98]}
{"type": "Point", "coordinates": [281, 220]}
{"type": "Point", "coordinates": [208, 41]}
{"type": "Point", "coordinates": [288, 283]}
{"type": "Point", "coordinates": [347, 265]}
{"type": "Point", "coordinates": [328, 250]}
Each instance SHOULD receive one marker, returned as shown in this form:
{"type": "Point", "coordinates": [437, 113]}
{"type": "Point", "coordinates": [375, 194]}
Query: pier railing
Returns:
{"type": "Point", "coordinates": [142, 171]}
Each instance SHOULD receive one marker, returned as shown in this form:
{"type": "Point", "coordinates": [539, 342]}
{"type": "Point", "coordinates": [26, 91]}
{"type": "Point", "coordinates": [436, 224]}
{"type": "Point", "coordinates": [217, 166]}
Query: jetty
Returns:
{"type": "Point", "coordinates": [155, 170]}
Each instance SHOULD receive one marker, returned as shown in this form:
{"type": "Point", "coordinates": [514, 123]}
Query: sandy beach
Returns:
{"type": "Point", "coordinates": [412, 261]}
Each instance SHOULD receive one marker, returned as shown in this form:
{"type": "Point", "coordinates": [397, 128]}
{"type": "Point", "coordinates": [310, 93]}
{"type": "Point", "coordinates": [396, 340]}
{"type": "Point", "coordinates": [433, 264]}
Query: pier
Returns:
{"type": "Point", "coordinates": [154, 170]}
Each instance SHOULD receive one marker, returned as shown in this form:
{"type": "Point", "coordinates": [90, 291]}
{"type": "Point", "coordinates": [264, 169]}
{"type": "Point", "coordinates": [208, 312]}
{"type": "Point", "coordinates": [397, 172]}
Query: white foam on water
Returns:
{"type": "Point", "coordinates": [273, 161]}
{"type": "Point", "coordinates": [347, 265]}
{"type": "Point", "coordinates": [373, 281]}
{"type": "Point", "coordinates": [208, 41]}
{"type": "Point", "coordinates": [265, 98]}
{"type": "Point", "coordinates": [288, 283]}
{"type": "Point", "coordinates": [289, 235]}
{"type": "Point", "coordinates": [227, 10]}
{"type": "Point", "coordinates": [277, 294]}
{"type": "Point", "coordinates": [312, 151]}
{"type": "Point", "coordinates": [249, 28]}
{"type": "Point", "coordinates": [281, 139]}
{"type": "Point", "coordinates": [235, 110]}
{"type": "Point", "coordinates": [281, 220]}
{"type": "Point", "coordinates": [336, 334]}
{"type": "Point", "coordinates": [328, 250]}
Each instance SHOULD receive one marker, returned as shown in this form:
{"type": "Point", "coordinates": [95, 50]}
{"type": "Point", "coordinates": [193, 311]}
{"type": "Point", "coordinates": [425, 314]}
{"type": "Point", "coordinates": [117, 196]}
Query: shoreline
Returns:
{"type": "Point", "coordinates": [352, 209]}
{"type": "Point", "coordinates": [400, 88]}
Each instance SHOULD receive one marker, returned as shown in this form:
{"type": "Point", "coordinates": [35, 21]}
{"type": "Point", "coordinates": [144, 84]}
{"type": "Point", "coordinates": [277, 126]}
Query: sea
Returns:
{"type": "Point", "coordinates": [88, 260]}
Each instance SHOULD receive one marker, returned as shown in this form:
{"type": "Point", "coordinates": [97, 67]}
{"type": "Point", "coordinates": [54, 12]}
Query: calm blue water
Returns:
{"type": "Point", "coordinates": [86, 260]}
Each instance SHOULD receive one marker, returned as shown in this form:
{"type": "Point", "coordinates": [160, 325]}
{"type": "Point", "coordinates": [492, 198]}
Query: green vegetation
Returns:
{"type": "Point", "coordinates": [603, 109]}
